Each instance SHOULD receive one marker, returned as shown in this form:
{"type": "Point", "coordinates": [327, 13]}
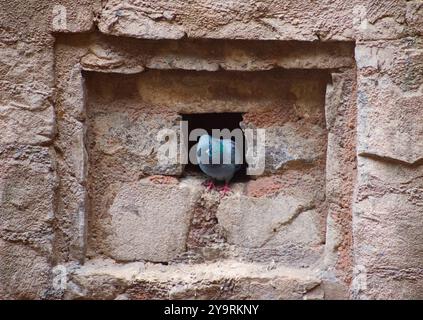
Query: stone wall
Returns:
{"type": "Point", "coordinates": [87, 212]}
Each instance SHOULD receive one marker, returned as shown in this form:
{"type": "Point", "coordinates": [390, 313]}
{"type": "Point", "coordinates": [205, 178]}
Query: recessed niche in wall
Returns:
{"type": "Point", "coordinates": [140, 210]}
{"type": "Point", "coordinates": [125, 114]}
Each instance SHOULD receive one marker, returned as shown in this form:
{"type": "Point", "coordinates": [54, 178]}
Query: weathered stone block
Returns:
{"type": "Point", "coordinates": [255, 20]}
{"type": "Point", "coordinates": [273, 215]}
{"type": "Point", "coordinates": [387, 212]}
{"type": "Point", "coordinates": [26, 73]}
{"type": "Point", "coordinates": [72, 16]}
{"type": "Point", "coordinates": [221, 280]}
{"type": "Point", "coordinates": [70, 143]}
{"type": "Point", "coordinates": [202, 92]}
{"type": "Point", "coordinates": [341, 118]}
{"type": "Point", "coordinates": [150, 220]}
{"type": "Point", "coordinates": [129, 56]}
{"type": "Point", "coordinates": [24, 273]}
{"type": "Point", "coordinates": [26, 114]}
{"type": "Point", "coordinates": [26, 21]}
{"type": "Point", "coordinates": [375, 20]}
{"type": "Point", "coordinates": [128, 141]}
{"type": "Point", "coordinates": [257, 222]}
{"type": "Point", "coordinates": [414, 16]}
{"type": "Point", "coordinates": [35, 21]}
{"type": "Point", "coordinates": [27, 186]}
{"type": "Point", "coordinates": [292, 144]}
{"type": "Point", "coordinates": [390, 102]}
{"type": "Point", "coordinates": [389, 203]}
{"type": "Point", "coordinates": [22, 125]}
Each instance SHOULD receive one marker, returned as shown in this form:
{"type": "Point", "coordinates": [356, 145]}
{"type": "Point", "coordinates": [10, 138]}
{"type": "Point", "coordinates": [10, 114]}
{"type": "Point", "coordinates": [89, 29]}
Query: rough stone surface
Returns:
{"type": "Point", "coordinates": [387, 209]}
{"type": "Point", "coordinates": [70, 145]}
{"type": "Point", "coordinates": [150, 222]}
{"type": "Point", "coordinates": [27, 183]}
{"type": "Point", "coordinates": [341, 122]}
{"type": "Point", "coordinates": [291, 144]}
{"type": "Point", "coordinates": [24, 273]}
{"type": "Point", "coordinates": [290, 218]}
{"type": "Point", "coordinates": [288, 20]}
{"type": "Point", "coordinates": [397, 85]}
{"type": "Point", "coordinates": [27, 186]}
{"type": "Point", "coordinates": [389, 198]}
{"type": "Point", "coordinates": [16, 119]}
{"type": "Point", "coordinates": [73, 16]}
{"type": "Point", "coordinates": [221, 280]}
{"type": "Point", "coordinates": [124, 132]}
{"type": "Point", "coordinates": [85, 84]}
{"type": "Point", "coordinates": [26, 77]}
{"type": "Point", "coordinates": [27, 74]}
{"type": "Point", "coordinates": [128, 56]}
{"type": "Point", "coordinates": [199, 92]}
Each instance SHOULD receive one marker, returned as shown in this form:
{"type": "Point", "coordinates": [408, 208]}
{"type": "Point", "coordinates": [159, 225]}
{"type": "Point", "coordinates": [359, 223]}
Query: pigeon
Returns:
{"type": "Point", "coordinates": [219, 171]}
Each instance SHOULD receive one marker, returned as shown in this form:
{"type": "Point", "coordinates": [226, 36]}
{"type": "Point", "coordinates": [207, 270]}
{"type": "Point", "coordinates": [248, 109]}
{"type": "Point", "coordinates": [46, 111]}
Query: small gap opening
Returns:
{"type": "Point", "coordinates": [209, 121]}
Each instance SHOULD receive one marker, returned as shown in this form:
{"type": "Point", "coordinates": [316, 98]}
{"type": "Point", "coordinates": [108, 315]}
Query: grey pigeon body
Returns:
{"type": "Point", "coordinates": [218, 148]}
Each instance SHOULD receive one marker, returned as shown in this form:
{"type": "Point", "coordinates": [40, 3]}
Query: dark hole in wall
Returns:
{"type": "Point", "coordinates": [209, 121]}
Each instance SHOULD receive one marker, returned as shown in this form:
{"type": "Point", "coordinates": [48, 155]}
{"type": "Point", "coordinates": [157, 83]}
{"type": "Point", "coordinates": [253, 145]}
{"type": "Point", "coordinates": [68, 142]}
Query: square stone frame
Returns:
{"type": "Point", "coordinates": [77, 54]}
